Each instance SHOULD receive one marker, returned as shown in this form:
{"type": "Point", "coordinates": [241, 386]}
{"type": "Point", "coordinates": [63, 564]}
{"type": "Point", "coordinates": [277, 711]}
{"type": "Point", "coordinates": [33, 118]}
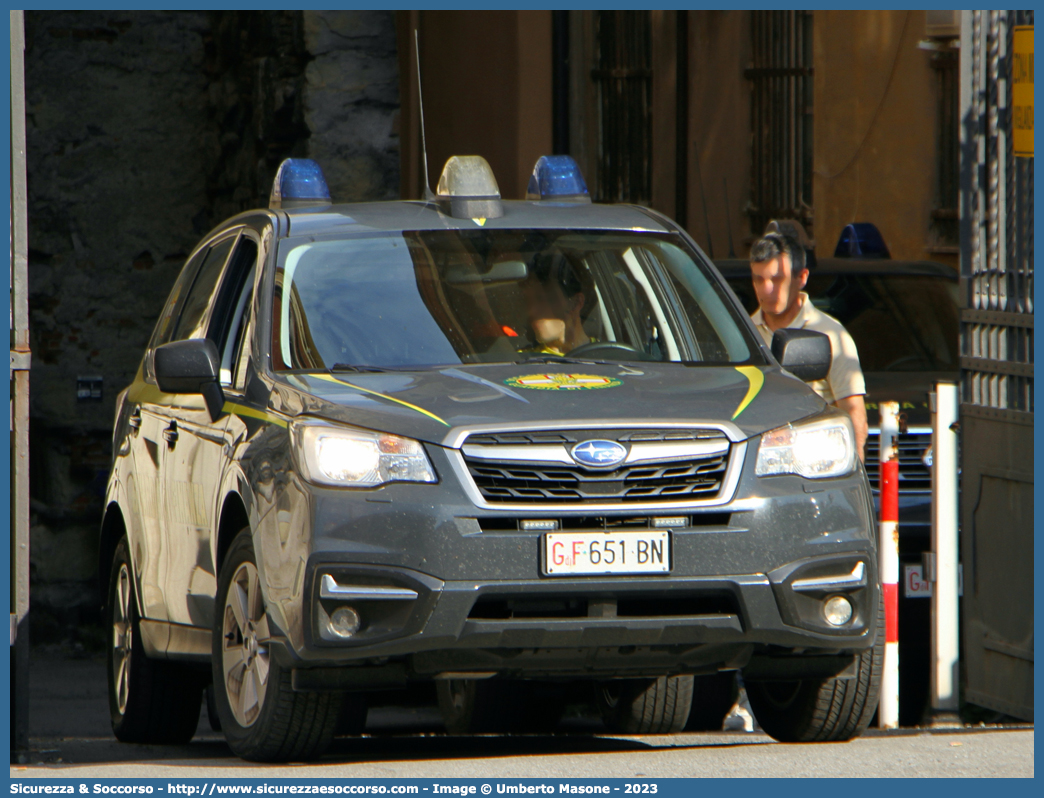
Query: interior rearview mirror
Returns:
{"type": "Point", "coordinates": [506, 271]}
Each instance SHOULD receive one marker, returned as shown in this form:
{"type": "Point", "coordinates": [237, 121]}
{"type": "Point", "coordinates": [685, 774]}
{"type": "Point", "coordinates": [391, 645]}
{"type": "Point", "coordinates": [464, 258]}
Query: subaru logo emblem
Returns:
{"type": "Point", "coordinates": [598, 453]}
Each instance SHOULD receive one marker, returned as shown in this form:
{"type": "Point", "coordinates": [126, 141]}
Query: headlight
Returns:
{"type": "Point", "coordinates": [816, 449]}
{"type": "Point", "coordinates": [346, 457]}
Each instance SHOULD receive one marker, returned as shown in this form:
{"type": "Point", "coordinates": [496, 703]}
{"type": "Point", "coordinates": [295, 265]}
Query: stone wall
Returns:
{"type": "Point", "coordinates": [144, 130]}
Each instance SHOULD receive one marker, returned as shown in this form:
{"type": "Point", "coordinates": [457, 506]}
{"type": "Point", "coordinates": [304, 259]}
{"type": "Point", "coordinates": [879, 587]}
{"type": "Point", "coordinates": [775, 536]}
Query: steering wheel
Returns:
{"type": "Point", "coordinates": [608, 350]}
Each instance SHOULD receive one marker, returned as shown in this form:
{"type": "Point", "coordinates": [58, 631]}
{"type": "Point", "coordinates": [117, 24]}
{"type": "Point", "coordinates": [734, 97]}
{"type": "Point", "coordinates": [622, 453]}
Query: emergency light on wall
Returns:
{"type": "Point", "coordinates": [468, 190]}
{"type": "Point", "coordinates": [299, 183]}
{"type": "Point", "coordinates": [861, 240]}
{"type": "Point", "coordinates": [557, 178]}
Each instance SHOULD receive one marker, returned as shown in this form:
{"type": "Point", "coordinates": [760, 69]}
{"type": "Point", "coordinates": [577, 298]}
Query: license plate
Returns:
{"type": "Point", "coordinates": [644, 552]}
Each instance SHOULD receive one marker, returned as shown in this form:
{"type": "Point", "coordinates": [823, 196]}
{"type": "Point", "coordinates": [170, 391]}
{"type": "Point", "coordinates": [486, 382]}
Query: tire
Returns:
{"type": "Point", "coordinates": [822, 710]}
{"type": "Point", "coordinates": [645, 706]}
{"type": "Point", "coordinates": [263, 719]}
{"type": "Point", "coordinates": [497, 706]}
{"type": "Point", "coordinates": [150, 701]}
{"type": "Point", "coordinates": [712, 698]}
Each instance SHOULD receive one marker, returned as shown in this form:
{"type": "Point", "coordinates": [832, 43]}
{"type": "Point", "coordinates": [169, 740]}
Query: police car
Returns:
{"type": "Point", "coordinates": [506, 447]}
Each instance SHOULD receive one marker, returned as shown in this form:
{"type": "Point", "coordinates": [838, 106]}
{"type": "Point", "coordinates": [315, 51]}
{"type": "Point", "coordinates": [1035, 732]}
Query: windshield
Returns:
{"type": "Point", "coordinates": [898, 322]}
{"type": "Point", "coordinates": [437, 297]}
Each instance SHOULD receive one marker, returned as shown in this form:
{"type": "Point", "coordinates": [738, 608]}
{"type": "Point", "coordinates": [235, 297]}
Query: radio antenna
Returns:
{"type": "Point", "coordinates": [428, 195]}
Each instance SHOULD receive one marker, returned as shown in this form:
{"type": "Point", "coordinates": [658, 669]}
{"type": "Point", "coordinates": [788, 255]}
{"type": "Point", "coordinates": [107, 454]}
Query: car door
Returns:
{"type": "Point", "coordinates": [148, 420]}
{"type": "Point", "coordinates": [190, 463]}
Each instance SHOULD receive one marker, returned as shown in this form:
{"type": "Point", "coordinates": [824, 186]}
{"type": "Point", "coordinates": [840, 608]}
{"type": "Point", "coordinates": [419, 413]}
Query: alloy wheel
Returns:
{"type": "Point", "coordinates": [245, 646]}
{"type": "Point", "coordinates": [122, 638]}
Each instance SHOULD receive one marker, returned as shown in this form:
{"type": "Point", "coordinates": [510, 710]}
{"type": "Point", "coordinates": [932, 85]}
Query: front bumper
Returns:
{"type": "Point", "coordinates": [483, 607]}
{"type": "Point", "coordinates": [608, 627]}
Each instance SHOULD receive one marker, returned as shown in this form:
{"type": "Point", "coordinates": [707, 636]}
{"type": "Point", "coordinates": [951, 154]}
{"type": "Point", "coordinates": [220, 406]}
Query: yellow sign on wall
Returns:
{"type": "Point", "coordinates": [1022, 91]}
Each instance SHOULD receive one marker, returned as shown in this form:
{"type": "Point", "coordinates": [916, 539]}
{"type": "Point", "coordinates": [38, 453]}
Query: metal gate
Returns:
{"type": "Point", "coordinates": [624, 80]}
{"type": "Point", "coordinates": [996, 373]}
{"type": "Point", "coordinates": [780, 117]}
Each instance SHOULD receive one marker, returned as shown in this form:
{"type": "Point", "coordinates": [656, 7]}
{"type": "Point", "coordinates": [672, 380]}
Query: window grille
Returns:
{"type": "Point", "coordinates": [623, 78]}
{"type": "Point", "coordinates": [781, 117]}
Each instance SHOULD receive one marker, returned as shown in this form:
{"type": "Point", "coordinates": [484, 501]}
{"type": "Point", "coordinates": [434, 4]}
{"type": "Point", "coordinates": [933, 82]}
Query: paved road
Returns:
{"type": "Point", "coordinates": [71, 738]}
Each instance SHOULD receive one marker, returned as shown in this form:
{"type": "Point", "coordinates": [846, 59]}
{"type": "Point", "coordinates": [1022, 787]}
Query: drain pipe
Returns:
{"type": "Point", "coordinates": [888, 552]}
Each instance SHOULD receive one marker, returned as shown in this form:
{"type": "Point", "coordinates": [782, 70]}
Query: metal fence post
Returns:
{"type": "Point", "coordinates": [888, 552]}
{"type": "Point", "coordinates": [19, 403]}
{"type": "Point", "coordinates": [945, 674]}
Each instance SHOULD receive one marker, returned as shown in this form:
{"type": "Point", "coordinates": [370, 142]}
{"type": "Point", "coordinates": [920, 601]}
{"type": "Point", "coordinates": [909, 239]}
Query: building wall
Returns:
{"type": "Point", "coordinates": [144, 129]}
{"type": "Point", "coordinates": [351, 102]}
{"type": "Point", "coordinates": [487, 91]}
{"type": "Point", "coordinates": [719, 126]}
{"type": "Point", "coordinates": [875, 129]}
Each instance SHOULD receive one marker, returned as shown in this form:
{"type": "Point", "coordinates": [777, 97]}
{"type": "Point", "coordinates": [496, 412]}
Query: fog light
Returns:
{"type": "Point", "coordinates": [670, 523]}
{"type": "Point", "coordinates": [345, 622]}
{"type": "Point", "coordinates": [539, 524]}
{"type": "Point", "coordinates": [837, 610]}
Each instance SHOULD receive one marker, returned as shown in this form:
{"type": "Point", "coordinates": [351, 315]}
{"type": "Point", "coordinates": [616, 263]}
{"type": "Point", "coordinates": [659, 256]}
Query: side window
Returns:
{"type": "Point", "coordinates": [239, 350]}
{"type": "Point", "coordinates": [165, 325]}
{"type": "Point", "coordinates": [232, 309]}
{"type": "Point", "coordinates": [198, 298]}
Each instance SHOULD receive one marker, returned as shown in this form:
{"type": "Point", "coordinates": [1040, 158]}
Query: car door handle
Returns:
{"type": "Point", "coordinates": [170, 435]}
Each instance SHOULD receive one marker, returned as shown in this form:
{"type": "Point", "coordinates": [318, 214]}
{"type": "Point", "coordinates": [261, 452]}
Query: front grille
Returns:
{"type": "Point", "coordinates": [914, 475]}
{"type": "Point", "coordinates": [557, 483]}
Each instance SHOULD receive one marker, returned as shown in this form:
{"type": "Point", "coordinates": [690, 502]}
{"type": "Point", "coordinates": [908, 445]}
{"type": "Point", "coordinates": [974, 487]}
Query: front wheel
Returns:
{"type": "Point", "coordinates": [645, 706]}
{"type": "Point", "coordinates": [264, 720]}
{"type": "Point", "coordinates": [822, 710]}
{"type": "Point", "coordinates": [150, 700]}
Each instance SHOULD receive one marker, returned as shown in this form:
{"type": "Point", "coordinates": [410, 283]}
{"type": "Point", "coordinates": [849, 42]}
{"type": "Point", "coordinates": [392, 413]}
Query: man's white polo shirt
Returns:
{"type": "Point", "coordinates": [845, 378]}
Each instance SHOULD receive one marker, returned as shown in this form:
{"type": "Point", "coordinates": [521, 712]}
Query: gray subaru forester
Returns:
{"type": "Point", "coordinates": [522, 450]}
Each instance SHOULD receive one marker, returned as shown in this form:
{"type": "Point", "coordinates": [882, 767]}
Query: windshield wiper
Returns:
{"type": "Point", "coordinates": [358, 369]}
{"type": "Point", "coordinates": [561, 359]}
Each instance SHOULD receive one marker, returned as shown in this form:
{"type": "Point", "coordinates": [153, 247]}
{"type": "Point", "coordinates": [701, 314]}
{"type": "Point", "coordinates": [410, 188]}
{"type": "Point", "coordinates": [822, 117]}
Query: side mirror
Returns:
{"type": "Point", "coordinates": [804, 353]}
{"type": "Point", "coordinates": [191, 367]}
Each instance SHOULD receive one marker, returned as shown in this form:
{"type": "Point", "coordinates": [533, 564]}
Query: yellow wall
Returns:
{"type": "Point", "coordinates": [719, 130]}
{"type": "Point", "coordinates": [874, 128]}
{"type": "Point", "coordinates": [487, 91]}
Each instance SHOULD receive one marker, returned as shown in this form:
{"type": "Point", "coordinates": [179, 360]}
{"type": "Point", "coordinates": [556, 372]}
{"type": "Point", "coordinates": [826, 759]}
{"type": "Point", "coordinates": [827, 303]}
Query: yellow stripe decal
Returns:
{"type": "Point", "coordinates": [243, 410]}
{"type": "Point", "coordinates": [756, 379]}
{"type": "Point", "coordinates": [330, 378]}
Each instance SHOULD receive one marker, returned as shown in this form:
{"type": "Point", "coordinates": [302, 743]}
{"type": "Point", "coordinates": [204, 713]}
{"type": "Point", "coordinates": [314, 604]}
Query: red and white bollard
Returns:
{"type": "Point", "coordinates": [888, 553]}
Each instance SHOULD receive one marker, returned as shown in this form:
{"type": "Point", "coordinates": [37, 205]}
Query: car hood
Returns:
{"type": "Point", "coordinates": [909, 389]}
{"type": "Point", "coordinates": [435, 405]}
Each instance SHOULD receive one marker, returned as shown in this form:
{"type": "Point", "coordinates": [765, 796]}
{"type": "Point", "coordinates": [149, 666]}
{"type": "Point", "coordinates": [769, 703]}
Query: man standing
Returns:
{"type": "Point", "coordinates": [777, 265]}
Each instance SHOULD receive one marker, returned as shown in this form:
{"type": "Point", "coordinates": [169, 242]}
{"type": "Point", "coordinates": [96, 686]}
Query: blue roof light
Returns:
{"type": "Point", "coordinates": [557, 177]}
{"type": "Point", "coordinates": [299, 182]}
{"type": "Point", "coordinates": [861, 240]}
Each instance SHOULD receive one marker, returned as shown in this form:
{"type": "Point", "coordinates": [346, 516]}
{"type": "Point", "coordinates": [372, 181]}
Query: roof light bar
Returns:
{"type": "Point", "coordinates": [468, 190]}
{"type": "Point", "coordinates": [299, 183]}
{"type": "Point", "coordinates": [557, 178]}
